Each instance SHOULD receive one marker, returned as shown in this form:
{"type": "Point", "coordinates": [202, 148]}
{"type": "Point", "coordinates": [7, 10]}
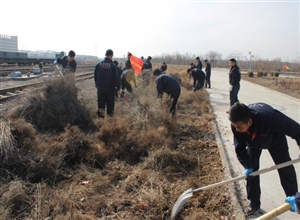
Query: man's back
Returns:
{"type": "Point", "coordinates": [166, 83]}
{"type": "Point", "coordinates": [198, 74]}
{"type": "Point", "coordinates": [106, 75]}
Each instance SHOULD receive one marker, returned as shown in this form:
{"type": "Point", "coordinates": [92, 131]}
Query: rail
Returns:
{"type": "Point", "coordinates": [12, 92]}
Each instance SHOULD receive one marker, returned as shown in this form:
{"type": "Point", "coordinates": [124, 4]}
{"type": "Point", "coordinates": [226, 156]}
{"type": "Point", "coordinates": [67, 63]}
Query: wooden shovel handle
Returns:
{"type": "Point", "coordinates": [275, 212]}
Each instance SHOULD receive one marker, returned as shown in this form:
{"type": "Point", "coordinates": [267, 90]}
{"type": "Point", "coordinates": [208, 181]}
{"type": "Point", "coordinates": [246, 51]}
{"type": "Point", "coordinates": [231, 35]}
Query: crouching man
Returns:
{"type": "Point", "coordinates": [168, 84]}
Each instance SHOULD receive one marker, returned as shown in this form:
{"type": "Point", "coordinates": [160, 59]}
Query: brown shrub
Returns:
{"type": "Point", "coordinates": [54, 108]}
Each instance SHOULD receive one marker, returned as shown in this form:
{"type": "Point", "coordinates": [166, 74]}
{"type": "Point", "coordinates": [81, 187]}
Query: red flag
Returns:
{"type": "Point", "coordinates": [285, 67]}
{"type": "Point", "coordinates": [136, 64]}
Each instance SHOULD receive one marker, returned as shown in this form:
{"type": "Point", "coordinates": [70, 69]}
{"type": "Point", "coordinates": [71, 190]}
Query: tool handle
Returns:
{"type": "Point", "coordinates": [275, 212]}
{"type": "Point", "coordinates": [256, 173]}
{"type": "Point", "coordinates": [62, 75]}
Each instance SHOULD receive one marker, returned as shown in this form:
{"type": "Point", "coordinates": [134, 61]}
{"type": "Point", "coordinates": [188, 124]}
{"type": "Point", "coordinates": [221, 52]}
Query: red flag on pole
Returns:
{"type": "Point", "coordinates": [285, 67]}
{"type": "Point", "coordinates": [136, 63]}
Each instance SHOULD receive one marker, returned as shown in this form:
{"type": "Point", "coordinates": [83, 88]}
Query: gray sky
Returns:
{"type": "Point", "coordinates": [269, 29]}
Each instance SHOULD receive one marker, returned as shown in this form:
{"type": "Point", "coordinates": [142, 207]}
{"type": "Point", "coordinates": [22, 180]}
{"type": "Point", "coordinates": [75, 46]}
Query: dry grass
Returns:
{"type": "Point", "coordinates": [136, 163]}
{"type": "Point", "coordinates": [7, 140]}
{"type": "Point", "coordinates": [286, 85]}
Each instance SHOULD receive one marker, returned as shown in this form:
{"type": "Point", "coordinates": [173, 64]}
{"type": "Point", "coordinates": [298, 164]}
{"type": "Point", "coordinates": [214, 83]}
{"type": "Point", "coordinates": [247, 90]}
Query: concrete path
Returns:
{"type": "Point", "coordinates": [272, 192]}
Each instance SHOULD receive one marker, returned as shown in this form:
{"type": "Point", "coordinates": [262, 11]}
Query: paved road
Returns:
{"type": "Point", "coordinates": [272, 192]}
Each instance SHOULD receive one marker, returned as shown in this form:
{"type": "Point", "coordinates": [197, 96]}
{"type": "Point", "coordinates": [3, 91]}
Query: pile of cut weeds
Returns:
{"type": "Point", "coordinates": [132, 166]}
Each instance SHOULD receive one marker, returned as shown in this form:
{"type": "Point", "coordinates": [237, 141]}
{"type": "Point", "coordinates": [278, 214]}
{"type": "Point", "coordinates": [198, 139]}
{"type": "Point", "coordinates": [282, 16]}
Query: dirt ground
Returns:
{"type": "Point", "coordinates": [284, 84]}
{"type": "Point", "coordinates": [132, 166]}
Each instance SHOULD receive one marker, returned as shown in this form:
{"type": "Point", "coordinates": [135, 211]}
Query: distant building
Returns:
{"type": "Point", "coordinates": [8, 43]}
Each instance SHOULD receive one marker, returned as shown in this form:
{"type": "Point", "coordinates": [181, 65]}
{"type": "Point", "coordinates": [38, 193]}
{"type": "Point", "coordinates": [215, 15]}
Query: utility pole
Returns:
{"type": "Point", "coordinates": [251, 56]}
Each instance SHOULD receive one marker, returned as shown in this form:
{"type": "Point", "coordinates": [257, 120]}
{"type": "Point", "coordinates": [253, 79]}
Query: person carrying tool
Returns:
{"type": "Point", "coordinates": [69, 66]}
{"type": "Point", "coordinates": [127, 77]}
{"type": "Point", "coordinates": [107, 81]}
{"type": "Point", "coordinates": [199, 78]}
{"type": "Point", "coordinates": [168, 84]}
{"type": "Point", "coordinates": [256, 127]}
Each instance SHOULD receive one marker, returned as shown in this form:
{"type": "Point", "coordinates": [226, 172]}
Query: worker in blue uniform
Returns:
{"type": "Point", "coordinates": [256, 127]}
{"type": "Point", "coordinates": [168, 84]}
{"type": "Point", "coordinates": [198, 77]}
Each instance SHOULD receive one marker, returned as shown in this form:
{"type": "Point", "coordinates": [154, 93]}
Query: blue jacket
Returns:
{"type": "Point", "coordinates": [128, 65]}
{"type": "Point", "coordinates": [66, 64]}
{"type": "Point", "coordinates": [208, 69]}
{"type": "Point", "coordinates": [147, 65]}
{"type": "Point", "coordinates": [268, 129]}
{"type": "Point", "coordinates": [106, 75]}
{"type": "Point", "coordinates": [234, 75]}
{"type": "Point", "coordinates": [199, 65]}
{"type": "Point", "coordinates": [197, 74]}
{"type": "Point", "coordinates": [166, 83]}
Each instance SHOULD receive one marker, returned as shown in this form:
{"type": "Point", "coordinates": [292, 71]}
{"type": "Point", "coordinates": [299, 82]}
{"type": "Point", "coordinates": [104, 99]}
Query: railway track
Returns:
{"type": "Point", "coordinates": [12, 92]}
{"type": "Point", "coordinates": [5, 71]}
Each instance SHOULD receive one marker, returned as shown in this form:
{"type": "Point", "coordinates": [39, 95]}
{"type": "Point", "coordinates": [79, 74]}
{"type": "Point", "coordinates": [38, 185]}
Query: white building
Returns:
{"type": "Point", "coordinates": [8, 43]}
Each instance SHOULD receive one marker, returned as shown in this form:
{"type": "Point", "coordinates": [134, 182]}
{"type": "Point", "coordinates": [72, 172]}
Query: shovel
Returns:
{"type": "Point", "coordinates": [275, 212]}
{"type": "Point", "coordinates": [186, 195]}
{"type": "Point", "coordinates": [122, 95]}
{"type": "Point", "coordinates": [60, 73]}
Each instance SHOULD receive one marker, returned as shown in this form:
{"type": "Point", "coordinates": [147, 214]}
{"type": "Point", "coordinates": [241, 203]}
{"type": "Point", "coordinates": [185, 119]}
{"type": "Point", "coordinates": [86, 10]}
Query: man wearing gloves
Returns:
{"type": "Point", "coordinates": [168, 84]}
{"type": "Point", "coordinates": [295, 202]}
{"type": "Point", "coordinates": [234, 81]}
{"type": "Point", "coordinates": [198, 77]}
{"type": "Point", "coordinates": [107, 81]}
{"type": "Point", "coordinates": [256, 127]}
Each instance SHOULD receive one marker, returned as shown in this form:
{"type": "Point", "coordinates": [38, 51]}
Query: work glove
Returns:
{"type": "Point", "coordinates": [248, 171]}
{"type": "Point", "coordinates": [55, 62]}
{"type": "Point", "coordinates": [291, 200]}
{"type": "Point", "coordinates": [230, 88]}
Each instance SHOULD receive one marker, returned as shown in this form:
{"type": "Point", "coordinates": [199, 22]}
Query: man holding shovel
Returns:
{"type": "Point", "coordinates": [69, 66]}
{"type": "Point", "coordinates": [256, 127]}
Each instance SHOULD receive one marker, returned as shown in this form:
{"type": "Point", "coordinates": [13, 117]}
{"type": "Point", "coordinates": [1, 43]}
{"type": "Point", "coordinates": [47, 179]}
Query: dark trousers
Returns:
{"type": "Point", "coordinates": [207, 82]}
{"type": "Point", "coordinates": [234, 94]}
{"type": "Point", "coordinates": [106, 98]}
{"type": "Point", "coordinates": [126, 85]}
{"type": "Point", "coordinates": [175, 95]}
{"type": "Point", "coordinates": [199, 84]}
{"type": "Point", "coordinates": [287, 175]}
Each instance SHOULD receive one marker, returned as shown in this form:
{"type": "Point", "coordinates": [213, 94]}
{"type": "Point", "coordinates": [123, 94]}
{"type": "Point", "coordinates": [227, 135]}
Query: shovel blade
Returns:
{"type": "Point", "coordinates": [182, 199]}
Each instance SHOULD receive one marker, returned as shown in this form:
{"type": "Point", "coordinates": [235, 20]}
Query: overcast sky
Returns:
{"type": "Point", "coordinates": [269, 29]}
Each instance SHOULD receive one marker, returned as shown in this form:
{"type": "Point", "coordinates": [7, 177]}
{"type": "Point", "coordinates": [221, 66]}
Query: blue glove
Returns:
{"type": "Point", "coordinates": [248, 171]}
{"type": "Point", "coordinates": [291, 200]}
{"type": "Point", "coordinates": [55, 62]}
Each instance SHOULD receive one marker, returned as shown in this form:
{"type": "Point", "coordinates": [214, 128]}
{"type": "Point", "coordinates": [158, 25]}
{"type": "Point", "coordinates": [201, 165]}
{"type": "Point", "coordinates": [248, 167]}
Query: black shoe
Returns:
{"type": "Point", "coordinates": [251, 210]}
